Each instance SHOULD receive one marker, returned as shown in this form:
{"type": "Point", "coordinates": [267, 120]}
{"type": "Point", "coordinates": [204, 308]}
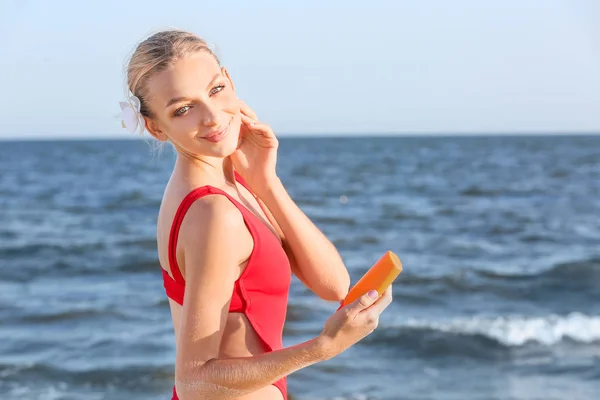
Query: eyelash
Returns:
{"type": "Point", "coordinates": [213, 91]}
{"type": "Point", "coordinates": [220, 87]}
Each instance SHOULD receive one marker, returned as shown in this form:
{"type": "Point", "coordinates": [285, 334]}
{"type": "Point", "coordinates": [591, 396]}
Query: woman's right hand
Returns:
{"type": "Point", "coordinates": [354, 322]}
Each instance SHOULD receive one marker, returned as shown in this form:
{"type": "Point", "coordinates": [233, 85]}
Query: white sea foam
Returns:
{"type": "Point", "coordinates": [518, 330]}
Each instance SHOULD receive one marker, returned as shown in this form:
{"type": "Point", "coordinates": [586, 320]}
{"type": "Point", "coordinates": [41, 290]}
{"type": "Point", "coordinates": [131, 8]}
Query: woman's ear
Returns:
{"type": "Point", "coordinates": [154, 129]}
{"type": "Point", "coordinates": [224, 71]}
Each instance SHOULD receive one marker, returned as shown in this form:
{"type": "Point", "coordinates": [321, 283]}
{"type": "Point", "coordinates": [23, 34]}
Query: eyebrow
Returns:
{"type": "Point", "coordinates": [183, 98]}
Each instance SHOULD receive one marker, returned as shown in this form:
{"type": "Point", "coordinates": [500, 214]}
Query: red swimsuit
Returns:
{"type": "Point", "coordinates": [261, 292]}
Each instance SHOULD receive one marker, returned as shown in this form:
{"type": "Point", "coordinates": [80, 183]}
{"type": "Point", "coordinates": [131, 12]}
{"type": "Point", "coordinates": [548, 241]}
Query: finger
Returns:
{"type": "Point", "coordinates": [247, 120]}
{"type": "Point", "coordinates": [257, 127]}
{"type": "Point", "coordinates": [247, 110]}
{"type": "Point", "coordinates": [383, 302]}
{"type": "Point", "coordinates": [263, 130]}
{"type": "Point", "coordinates": [363, 302]}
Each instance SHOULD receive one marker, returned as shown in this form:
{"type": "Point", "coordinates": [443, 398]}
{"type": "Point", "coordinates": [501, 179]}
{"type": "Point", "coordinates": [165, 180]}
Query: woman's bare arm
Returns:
{"type": "Point", "coordinates": [314, 259]}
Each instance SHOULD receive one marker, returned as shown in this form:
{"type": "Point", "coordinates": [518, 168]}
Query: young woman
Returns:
{"type": "Point", "coordinates": [229, 235]}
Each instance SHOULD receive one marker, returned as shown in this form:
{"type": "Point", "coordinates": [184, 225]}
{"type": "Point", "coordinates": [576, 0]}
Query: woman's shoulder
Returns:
{"type": "Point", "coordinates": [199, 209]}
{"type": "Point", "coordinates": [213, 226]}
{"type": "Point", "coordinates": [213, 215]}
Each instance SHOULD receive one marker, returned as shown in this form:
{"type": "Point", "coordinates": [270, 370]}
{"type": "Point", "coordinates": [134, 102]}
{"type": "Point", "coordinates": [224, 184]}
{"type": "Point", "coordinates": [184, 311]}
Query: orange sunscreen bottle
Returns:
{"type": "Point", "coordinates": [379, 277]}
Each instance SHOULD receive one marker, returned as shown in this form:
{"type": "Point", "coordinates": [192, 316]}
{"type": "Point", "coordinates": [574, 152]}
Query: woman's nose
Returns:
{"type": "Point", "coordinates": [210, 117]}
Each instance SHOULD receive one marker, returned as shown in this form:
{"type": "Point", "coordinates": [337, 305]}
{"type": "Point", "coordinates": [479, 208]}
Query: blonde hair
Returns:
{"type": "Point", "coordinates": [155, 54]}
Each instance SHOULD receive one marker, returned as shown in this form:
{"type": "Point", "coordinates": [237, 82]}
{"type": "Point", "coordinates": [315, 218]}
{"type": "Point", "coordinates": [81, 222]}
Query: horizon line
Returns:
{"type": "Point", "coordinates": [290, 135]}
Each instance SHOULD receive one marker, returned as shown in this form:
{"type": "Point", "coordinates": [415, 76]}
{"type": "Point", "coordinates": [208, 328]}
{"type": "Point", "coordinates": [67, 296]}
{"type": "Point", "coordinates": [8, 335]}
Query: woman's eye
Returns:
{"type": "Point", "coordinates": [217, 89]}
{"type": "Point", "coordinates": [181, 111]}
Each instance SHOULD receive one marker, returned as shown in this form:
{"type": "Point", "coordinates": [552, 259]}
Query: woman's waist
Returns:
{"type": "Point", "coordinates": [241, 339]}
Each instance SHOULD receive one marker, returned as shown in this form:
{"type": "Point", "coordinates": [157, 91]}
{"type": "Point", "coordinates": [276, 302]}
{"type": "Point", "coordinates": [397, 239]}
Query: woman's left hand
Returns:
{"type": "Point", "coordinates": [256, 157]}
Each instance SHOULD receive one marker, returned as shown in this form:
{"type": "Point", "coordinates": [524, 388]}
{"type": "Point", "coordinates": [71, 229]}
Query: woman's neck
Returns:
{"type": "Point", "coordinates": [206, 170]}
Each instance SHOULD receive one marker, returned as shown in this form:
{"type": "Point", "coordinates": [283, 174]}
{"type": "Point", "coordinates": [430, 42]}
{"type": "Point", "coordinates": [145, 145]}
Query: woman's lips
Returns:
{"type": "Point", "coordinates": [219, 135]}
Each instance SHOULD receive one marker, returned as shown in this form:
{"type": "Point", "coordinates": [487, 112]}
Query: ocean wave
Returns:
{"type": "Point", "coordinates": [48, 249]}
{"type": "Point", "coordinates": [56, 391]}
{"type": "Point", "coordinates": [578, 276]}
{"type": "Point", "coordinates": [588, 268]}
{"type": "Point", "coordinates": [53, 247]}
{"type": "Point", "coordinates": [335, 220]}
{"type": "Point", "coordinates": [70, 315]}
{"type": "Point", "coordinates": [477, 191]}
{"type": "Point", "coordinates": [511, 331]}
{"type": "Point", "coordinates": [92, 374]}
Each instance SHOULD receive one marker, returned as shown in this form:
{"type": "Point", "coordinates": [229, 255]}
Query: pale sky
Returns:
{"type": "Point", "coordinates": [421, 66]}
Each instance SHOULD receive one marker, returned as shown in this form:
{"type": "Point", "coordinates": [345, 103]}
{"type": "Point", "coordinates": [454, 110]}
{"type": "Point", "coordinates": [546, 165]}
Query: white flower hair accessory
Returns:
{"type": "Point", "coordinates": [130, 112]}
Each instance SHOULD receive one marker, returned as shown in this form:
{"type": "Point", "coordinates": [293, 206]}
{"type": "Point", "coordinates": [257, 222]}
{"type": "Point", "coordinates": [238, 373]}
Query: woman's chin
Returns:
{"type": "Point", "coordinates": [224, 148]}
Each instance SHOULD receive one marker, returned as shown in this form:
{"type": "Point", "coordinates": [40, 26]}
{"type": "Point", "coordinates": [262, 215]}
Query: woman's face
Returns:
{"type": "Point", "coordinates": [194, 105]}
